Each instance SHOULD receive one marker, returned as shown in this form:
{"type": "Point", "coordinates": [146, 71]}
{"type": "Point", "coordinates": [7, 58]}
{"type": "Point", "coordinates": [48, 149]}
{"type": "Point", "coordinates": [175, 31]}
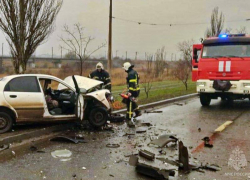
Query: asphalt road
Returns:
{"type": "Point", "coordinates": [93, 160]}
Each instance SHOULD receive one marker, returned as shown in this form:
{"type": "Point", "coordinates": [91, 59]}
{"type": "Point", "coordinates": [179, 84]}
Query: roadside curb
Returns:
{"type": "Point", "coordinates": [163, 102]}
{"type": "Point", "coordinates": [36, 133]}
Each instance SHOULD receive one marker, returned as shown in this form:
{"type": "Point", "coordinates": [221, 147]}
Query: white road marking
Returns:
{"type": "Point", "coordinates": [223, 126]}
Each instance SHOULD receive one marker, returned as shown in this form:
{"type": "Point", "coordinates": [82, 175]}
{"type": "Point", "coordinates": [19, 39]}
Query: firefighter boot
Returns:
{"type": "Point", "coordinates": [137, 113]}
{"type": "Point", "coordinates": [130, 124]}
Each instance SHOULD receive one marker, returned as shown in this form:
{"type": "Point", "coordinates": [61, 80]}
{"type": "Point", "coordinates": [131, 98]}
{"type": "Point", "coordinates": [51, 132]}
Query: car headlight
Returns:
{"type": "Point", "coordinates": [109, 97]}
{"type": "Point", "coordinates": [201, 84]}
{"type": "Point", "coordinates": [247, 85]}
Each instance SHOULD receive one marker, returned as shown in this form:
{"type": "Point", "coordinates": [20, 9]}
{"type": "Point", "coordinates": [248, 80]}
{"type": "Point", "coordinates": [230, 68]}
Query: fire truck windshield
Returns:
{"type": "Point", "coordinates": [226, 50]}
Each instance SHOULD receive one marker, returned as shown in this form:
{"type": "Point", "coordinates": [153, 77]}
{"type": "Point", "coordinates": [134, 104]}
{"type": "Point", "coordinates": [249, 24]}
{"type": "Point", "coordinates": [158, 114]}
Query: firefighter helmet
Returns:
{"type": "Point", "coordinates": [99, 66]}
{"type": "Point", "coordinates": [126, 66]}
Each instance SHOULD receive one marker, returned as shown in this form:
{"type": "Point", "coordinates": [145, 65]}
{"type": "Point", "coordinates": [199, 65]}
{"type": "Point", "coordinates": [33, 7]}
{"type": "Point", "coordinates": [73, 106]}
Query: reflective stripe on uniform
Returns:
{"type": "Point", "coordinates": [130, 110]}
{"type": "Point", "coordinates": [133, 80]}
{"type": "Point", "coordinates": [134, 89]}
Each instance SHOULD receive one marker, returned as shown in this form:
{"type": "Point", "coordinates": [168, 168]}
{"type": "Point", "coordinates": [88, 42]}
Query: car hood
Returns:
{"type": "Point", "coordinates": [83, 82]}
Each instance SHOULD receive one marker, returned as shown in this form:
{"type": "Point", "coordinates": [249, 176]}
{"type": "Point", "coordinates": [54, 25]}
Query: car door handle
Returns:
{"type": "Point", "coordinates": [13, 96]}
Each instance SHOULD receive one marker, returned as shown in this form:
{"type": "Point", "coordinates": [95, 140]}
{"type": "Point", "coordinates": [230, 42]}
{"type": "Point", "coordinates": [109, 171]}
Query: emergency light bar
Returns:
{"type": "Point", "coordinates": [222, 35]}
{"type": "Point", "coordinates": [230, 35]}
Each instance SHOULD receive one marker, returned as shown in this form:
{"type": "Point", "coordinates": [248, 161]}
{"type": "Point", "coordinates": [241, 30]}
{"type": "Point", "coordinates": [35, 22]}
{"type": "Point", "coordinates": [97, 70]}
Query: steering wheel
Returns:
{"type": "Point", "coordinates": [68, 92]}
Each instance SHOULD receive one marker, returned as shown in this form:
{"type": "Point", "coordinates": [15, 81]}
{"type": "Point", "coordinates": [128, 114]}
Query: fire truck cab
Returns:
{"type": "Point", "coordinates": [221, 68]}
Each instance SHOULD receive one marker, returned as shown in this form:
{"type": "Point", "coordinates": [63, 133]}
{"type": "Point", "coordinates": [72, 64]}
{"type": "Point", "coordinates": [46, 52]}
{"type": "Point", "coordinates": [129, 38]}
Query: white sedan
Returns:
{"type": "Point", "coordinates": [40, 98]}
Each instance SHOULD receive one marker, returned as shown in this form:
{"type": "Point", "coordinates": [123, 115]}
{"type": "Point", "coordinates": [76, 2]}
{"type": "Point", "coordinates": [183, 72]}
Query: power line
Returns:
{"type": "Point", "coordinates": [171, 24]}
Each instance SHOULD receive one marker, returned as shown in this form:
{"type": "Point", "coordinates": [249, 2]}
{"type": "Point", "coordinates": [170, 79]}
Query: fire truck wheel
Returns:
{"type": "Point", "coordinates": [205, 99]}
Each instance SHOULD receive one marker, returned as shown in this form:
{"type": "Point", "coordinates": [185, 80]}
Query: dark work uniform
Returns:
{"type": "Point", "coordinates": [101, 76]}
{"type": "Point", "coordinates": [134, 89]}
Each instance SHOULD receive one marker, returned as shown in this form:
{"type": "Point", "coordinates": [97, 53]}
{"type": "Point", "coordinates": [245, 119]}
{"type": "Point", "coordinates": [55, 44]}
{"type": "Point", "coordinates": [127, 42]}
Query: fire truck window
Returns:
{"type": "Point", "coordinates": [226, 50]}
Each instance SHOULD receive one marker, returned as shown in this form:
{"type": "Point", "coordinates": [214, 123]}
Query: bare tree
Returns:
{"type": "Point", "coordinates": [228, 30]}
{"type": "Point", "coordinates": [181, 71]}
{"type": "Point", "coordinates": [160, 62]}
{"type": "Point", "coordinates": [27, 23]}
{"type": "Point", "coordinates": [147, 82]}
{"type": "Point", "coordinates": [242, 30]}
{"type": "Point", "coordinates": [217, 23]}
{"type": "Point", "coordinates": [70, 55]}
{"type": "Point", "coordinates": [186, 48]}
{"type": "Point", "coordinates": [78, 43]}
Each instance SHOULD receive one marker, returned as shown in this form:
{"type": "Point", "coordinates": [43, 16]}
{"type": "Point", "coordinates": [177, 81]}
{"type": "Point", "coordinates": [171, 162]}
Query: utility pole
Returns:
{"type": "Point", "coordinates": [116, 53]}
{"type": "Point", "coordinates": [61, 52]}
{"type": "Point", "coordinates": [126, 55]}
{"type": "Point", "coordinates": [1, 64]}
{"type": "Point", "coordinates": [110, 40]}
{"type": "Point", "coordinates": [52, 52]}
{"type": "Point", "coordinates": [2, 51]}
{"type": "Point", "coordinates": [136, 55]}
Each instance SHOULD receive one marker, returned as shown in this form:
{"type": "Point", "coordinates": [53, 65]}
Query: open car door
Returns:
{"type": "Point", "coordinates": [79, 100]}
{"type": "Point", "coordinates": [195, 60]}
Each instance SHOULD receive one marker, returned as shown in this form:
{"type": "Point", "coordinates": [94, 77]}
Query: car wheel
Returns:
{"type": "Point", "coordinates": [117, 118]}
{"type": "Point", "coordinates": [98, 117]}
{"type": "Point", "coordinates": [6, 122]}
{"type": "Point", "coordinates": [205, 100]}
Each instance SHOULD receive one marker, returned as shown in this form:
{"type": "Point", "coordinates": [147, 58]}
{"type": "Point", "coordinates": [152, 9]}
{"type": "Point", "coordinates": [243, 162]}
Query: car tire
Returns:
{"type": "Point", "coordinates": [117, 118]}
{"type": "Point", "coordinates": [6, 122]}
{"type": "Point", "coordinates": [98, 117]}
{"type": "Point", "coordinates": [205, 99]}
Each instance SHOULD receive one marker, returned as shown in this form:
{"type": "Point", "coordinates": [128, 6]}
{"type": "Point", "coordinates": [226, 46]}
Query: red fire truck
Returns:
{"type": "Point", "coordinates": [221, 68]}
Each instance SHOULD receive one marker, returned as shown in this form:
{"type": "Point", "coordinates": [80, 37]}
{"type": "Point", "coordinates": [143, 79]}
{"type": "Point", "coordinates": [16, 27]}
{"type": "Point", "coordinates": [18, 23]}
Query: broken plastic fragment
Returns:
{"type": "Point", "coordinates": [66, 159]}
{"type": "Point", "coordinates": [146, 154]}
{"type": "Point", "coordinates": [154, 172]}
{"type": "Point", "coordinates": [141, 129]}
{"type": "Point", "coordinates": [163, 140]}
{"type": "Point", "coordinates": [112, 145]}
{"type": "Point", "coordinates": [133, 160]}
{"type": "Point", "coordinates": [61, 153]}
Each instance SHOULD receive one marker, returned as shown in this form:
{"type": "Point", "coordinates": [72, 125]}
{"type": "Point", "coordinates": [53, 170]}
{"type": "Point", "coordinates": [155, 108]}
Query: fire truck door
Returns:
{"type": "Point", "coordinates": [195, 60]}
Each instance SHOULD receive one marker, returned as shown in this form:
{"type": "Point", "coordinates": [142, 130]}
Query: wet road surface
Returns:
{"type": "Point", "coordinates": [93, 160]}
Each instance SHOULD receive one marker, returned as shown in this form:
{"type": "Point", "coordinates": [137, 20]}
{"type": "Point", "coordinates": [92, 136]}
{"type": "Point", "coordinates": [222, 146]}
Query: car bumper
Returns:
{"type": "Point", "coordinates": [238, 87]}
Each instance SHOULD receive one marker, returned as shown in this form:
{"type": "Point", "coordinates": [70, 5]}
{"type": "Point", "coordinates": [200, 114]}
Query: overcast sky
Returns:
{"type": "Point", "coordinates": [132, 37]}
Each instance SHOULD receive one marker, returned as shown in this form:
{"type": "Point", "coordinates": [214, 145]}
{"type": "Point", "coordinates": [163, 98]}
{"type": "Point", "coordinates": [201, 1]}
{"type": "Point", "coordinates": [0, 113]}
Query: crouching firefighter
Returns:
{"type": "Point", "coordinates": [101, 75]}
{"type": "Point", "coordinates": [133, 92]}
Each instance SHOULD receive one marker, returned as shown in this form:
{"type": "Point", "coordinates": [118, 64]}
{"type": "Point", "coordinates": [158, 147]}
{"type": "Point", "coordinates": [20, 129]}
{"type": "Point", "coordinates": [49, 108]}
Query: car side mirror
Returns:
{"type": "Point", "coordinates": [83, 91]}
{"type": "Point", "coordinates": [195, 56]}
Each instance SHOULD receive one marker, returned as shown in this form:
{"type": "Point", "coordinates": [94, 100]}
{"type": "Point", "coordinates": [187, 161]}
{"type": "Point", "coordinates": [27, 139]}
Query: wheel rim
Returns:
{"type": "Point", "coordinates": [3, 123]}
{"type": "Point", "coordinates": [99, 117]}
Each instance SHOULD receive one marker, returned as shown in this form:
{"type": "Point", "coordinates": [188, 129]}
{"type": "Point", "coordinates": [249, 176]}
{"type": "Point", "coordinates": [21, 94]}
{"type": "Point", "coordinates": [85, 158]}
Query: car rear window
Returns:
{"type": "Point", "coordinates": [23, 84]}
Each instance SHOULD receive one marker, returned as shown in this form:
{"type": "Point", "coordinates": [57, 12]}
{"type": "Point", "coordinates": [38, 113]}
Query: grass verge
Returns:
{"type": "Point", "coordinates": [160, 91]}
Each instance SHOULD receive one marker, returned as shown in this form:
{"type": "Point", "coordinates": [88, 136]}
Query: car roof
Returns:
{"type": "Point", "coordinates": [36, 75]}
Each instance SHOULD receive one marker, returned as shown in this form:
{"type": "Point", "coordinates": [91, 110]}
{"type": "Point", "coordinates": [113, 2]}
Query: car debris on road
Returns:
{"type": "Point", "coordinates": [207, 142]}
{"type": "Point", "coordinates": [75, 139]}
{"type": "Point", "coordinates": [163, 140]}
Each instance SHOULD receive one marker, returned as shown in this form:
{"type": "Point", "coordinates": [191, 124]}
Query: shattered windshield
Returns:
{"type": "Point", "coordinates": [226, 50]}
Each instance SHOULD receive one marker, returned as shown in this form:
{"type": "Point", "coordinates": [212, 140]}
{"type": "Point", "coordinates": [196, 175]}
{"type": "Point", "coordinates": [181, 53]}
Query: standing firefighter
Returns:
{"type": "Point", "coordinates": [101, 75]}
{"type": "Point", "coordinates": [133, 92]}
